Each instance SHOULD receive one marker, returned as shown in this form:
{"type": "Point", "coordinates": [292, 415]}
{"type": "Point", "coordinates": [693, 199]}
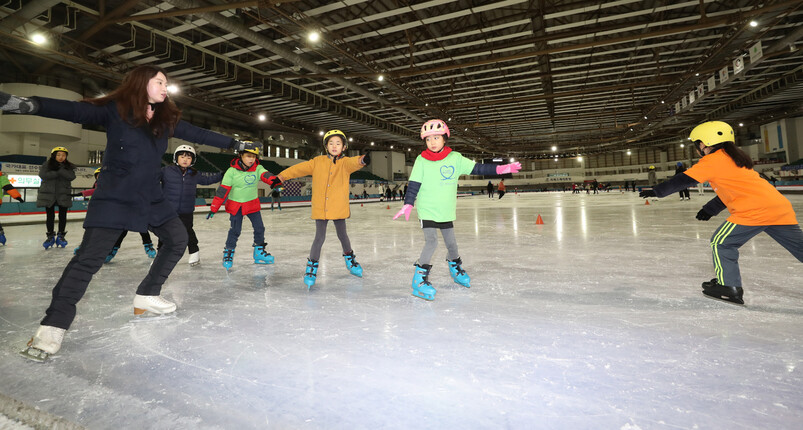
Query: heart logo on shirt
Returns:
{"type": "Point", "coordinates": [250, 179]}
{"type": "Point", "coordinates": [447, 172]}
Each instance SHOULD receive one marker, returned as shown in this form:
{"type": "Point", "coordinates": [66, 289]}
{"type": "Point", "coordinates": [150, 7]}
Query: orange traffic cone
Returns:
{"type": "Point", "coordinates": [539, 221]}
{"type": "Point", "coordinates": [646, 202]}
{"type": "Point", "coordinates": [388, 206]}
{"type": "Point", "coordinates": [361, 205]}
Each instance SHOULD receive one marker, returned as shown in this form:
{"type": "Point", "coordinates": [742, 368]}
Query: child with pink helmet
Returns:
{"type": "Point", "coordinates": [433, 182]}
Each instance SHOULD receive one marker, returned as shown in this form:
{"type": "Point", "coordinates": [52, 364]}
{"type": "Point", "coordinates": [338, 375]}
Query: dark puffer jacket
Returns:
{"type": "Point", "coordinates": [55, 188]}
{"type": "Point", "coordinates": [179, 186]}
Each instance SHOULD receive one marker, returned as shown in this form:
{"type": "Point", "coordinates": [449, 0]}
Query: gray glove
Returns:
{"type": "Point", "coordinates": [13, 104]}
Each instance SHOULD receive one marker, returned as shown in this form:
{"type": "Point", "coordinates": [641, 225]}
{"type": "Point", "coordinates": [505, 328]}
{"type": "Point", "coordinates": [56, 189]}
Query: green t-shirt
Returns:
{"type": "Point", "coordinates": [243, 184]}
{"type": "Point", "coordinates": [437, 198]}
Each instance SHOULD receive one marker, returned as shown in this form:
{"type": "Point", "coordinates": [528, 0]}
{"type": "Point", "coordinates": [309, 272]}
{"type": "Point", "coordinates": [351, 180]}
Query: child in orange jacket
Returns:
{"type": "Point", "coordinates": [754, 204]}
{"type": "Point", "coordinates": [330, 197]}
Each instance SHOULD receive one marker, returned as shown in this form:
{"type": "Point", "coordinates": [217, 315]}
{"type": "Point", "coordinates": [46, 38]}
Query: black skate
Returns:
{"type": "Point", "coordinates": [713, 289]}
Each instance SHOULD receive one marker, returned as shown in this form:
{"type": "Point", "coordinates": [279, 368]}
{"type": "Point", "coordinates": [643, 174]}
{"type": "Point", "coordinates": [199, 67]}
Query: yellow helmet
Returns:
{"type": "Point", "coordinates": [254, 150]}
{"type": "Point", "coordinates": [331, 133]}
{"type": "Point", "coordinates": [652, 167]}
{"type": "Point", "coordinates": [712, 133]}
{"type": "Point", "coordinates": [97, 172]}
{"type": "Point", "coordinates": [59, 148]}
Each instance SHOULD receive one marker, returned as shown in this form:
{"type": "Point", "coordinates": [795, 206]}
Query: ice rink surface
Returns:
{"type": "Point", "coordinates": [594, 320]}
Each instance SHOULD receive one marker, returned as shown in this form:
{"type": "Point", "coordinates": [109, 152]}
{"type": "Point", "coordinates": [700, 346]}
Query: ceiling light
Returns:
{"type": "Point", "coordinates": [372, 143]}
{"type": "Point", "coordinates": [408, 149]}
{"type": "Point", "coordinates": [262, 117]}
{"type": "Point", "coordinates": [391, 146]}
{"type": "Point", "coordinates": [381, 78]}
{"type": "Point", "coordinates": [554, 148]}
{"type": "Point", "coordinates": [682, 145]}
{"type": "Point", "coordinates": [696, 74]}
{"type": "Point", "coordinates": [351, 139]}
{"type": "Point", "coordinates": [172, 88]}
{"type": "Point", "coordinates": [645, 117]}
{"type": "Point", "coordinates": [753, 23]}
{"type": "Point", "coordinates": [320, 133]}
{"type": "Point", "coordinates": [313, 36]}
{"type": "Point", "coordinates": [662, 102]}
{"type": "Point", "coordinates": [580, 158]}
{"type": "Point", "coordinates": [512, 160]}
{"type": "Point", "coordinates": [741, 124]}
{"type": "Point", "coordinates": [628, 152]}
{"type": "Point", "coordinates": [450, 118]}
{"type": "Point", "coordinates": [38, 38]}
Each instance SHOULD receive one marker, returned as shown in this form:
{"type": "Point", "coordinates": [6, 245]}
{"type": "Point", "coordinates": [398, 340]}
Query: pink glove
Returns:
{"type": "Point", "coordinates": [406, 209]}
{"type": "Point", "coordinates": [508, 168]}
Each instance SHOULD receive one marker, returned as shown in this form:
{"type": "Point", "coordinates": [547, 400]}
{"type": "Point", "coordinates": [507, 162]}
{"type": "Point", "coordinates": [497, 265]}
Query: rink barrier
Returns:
{"type": "Point", "coordinates": [30, 416]}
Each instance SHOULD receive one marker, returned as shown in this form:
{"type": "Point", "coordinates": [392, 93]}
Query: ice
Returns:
{"type": "Point", "coordinates": [593, 320]}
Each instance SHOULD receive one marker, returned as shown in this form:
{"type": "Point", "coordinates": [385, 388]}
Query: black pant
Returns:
{"type": "Point", "coordinates": [95, 246]}
{"type": "Point", "coordinates": [51, 218]}
{"type": "Point", "coordinates": [501, 194]}
{"type": "Point", "coordinates": [192, 242]}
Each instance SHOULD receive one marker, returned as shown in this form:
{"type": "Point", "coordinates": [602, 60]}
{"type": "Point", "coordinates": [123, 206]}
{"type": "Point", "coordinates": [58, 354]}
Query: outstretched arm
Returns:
{"type": "Point", "coordinates": [678, 182]}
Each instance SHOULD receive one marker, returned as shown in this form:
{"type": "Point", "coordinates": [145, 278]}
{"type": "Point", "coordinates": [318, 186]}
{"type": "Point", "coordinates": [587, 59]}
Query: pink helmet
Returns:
{"type": "Point", "coordinates": [434, 127]}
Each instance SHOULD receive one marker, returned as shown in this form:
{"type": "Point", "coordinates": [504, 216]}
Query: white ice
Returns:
{"type": "Point", "coordinates": [594, 320]}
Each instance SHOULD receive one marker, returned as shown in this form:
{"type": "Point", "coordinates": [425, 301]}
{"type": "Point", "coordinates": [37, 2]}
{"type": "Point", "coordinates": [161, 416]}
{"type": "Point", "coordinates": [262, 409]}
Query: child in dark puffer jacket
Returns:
{"type": "Point", "coordinates": [179, 182]}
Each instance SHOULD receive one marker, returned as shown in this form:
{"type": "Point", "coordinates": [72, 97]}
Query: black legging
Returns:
{"type": "Point", "coordinates": [146, 238]}
{"type": "Point", "coordinates": [320, 237]}
{"type": "Point", "coordinates": [51, 218]}
{"type": "Point", "coordinates": [95, 246]}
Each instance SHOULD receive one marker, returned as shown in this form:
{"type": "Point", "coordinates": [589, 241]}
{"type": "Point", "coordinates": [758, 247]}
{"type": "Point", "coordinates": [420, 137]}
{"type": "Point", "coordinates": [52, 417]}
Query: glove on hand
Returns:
{"type": "Point", "coordinates": [274, 182]}
{"type": "Point", "coordinates": [366, 159]}
{"type": "Point", "coordinates": [647, 193]}
{"type": "Point", "coordinates": [13, 104]}
{"type": "Point", "coordinates": [508, 168]}
{"type": "Point", "coordinates": [703, 215]}
{"type": "Point", "coordinates": [406, 209]}
{"type": "Point", "coordinates": [210, 215]}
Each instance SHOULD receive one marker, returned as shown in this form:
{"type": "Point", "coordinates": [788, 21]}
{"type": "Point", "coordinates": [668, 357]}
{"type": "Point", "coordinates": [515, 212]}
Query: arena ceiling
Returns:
{"type": "Point", "coordinates": [511, 77]}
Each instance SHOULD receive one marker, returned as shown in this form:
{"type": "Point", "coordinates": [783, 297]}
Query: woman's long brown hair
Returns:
{"type": "Point", "coordinates": [131, 98]}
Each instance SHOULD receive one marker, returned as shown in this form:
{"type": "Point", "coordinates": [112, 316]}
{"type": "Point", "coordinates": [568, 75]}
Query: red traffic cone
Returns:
{"type": "Point", "coordinates": [388, 206]}
{"type": "Point", "coordinates": [361, 205]}
{"type": "Point", "coordinates": [539, 221]}
{"type": "Point", "coordinates": [646, 202]}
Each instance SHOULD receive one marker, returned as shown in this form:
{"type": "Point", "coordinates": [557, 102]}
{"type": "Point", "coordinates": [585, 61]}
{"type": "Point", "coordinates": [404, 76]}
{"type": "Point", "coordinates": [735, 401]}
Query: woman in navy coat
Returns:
{"type": "Point", "coordinates": [139, 118]}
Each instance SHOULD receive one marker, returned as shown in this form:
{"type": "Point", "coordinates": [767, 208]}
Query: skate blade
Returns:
{"type": "Point", "coordinates": [263, 262]}
{"type": "Point", "coordinates": [419, 294]}
{"type": "Point", "coordinates": [34, 354]}
{"type": "Point", "coordinates": [462, 284]}
{"type": "Point", "coordinates": [197, 263]}
{"type": "Point", "coordinates": [152, 317]}
{"type": "Point", "coordinates": [728, 299]}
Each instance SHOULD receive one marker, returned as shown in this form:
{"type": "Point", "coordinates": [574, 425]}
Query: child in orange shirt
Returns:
{"type": "Point", "coordinates": [754, 204]}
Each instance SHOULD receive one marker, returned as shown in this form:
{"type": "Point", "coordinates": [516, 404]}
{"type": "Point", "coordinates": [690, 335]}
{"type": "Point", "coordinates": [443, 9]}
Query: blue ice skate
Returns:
{"type": "Point", "coordinates": [458, 274]}
{"type": "Point", "coordinates": [112, 253]}
{"type": "Point", "coordinates": [2, 237]}
{"type": "Point", "coordinates": [60, 241]}
{"type": "Point", "coordinates": [261, 256]}
{"type": "Point", "coordinates": [150, 250]}
{"type": "Point", "coordinates": [311, 274]}
{"type": "Point", "coordinates": [352, 264]}
{"type": "Point", "coordinates": [50, 241]}
{"type": "Point", "coordinates": [421, 286]}
{"type": "Point", "coordinates": [228, 258]}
